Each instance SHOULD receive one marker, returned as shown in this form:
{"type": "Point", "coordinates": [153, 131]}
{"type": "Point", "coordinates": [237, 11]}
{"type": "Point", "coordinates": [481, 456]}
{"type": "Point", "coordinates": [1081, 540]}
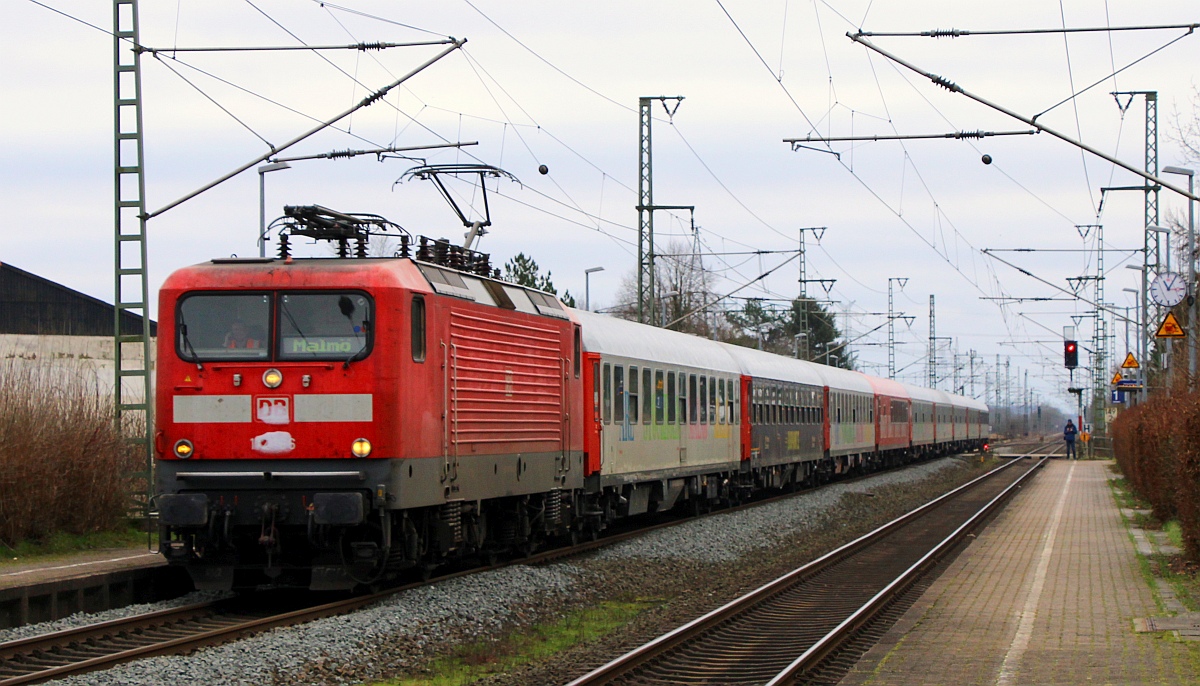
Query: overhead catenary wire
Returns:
{"type": "Point", "coordinates": [955, 88]}
{"type": "Point", "coordinates": [373, 97]}
{"type": "Point", "coordinates": [958, 33]}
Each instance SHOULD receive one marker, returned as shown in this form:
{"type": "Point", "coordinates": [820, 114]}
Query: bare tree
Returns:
{"type": "Point", "coordinates": [684, 287]}
{"type": "Point", "coordinates": [1186, 127]}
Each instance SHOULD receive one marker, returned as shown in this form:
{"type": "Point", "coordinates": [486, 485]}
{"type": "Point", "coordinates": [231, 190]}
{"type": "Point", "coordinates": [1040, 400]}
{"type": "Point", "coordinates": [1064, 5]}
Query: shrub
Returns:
{"type": "Point", "coordinates": [64, 467]}
{"type": "Point", "coordinates": [1155, 445]}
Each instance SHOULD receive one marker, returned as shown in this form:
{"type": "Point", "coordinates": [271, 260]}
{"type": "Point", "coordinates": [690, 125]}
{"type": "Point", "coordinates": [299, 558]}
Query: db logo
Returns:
{"type": "Point", "coordinates": [272, 409]}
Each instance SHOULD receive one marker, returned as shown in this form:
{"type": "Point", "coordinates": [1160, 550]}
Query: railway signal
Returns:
{"type": "Point", "coordinates": [1070, 354]}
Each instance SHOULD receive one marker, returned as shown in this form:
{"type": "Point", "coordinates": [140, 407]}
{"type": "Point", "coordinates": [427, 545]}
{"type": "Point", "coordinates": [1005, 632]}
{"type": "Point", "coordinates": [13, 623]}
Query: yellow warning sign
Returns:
{"type": "Point", "coordinates": [1130, 362]}
{"type": "Point", "coordinates": [1116, 378]}
{"type": "Point", "coordinates": [1170, 328]}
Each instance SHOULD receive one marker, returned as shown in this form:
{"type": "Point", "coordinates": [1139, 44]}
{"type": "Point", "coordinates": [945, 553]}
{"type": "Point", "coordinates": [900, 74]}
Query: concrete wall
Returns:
{"type": "Point", "coordinates": [69, 359]}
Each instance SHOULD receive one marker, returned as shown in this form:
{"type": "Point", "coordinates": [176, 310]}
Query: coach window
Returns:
{"type": "Point", "coordinates": [658, 396]}
{"type": "Point", "coordinates": [607, 393]}
{"type": "Point", "coordinates": [595, 391]}
{"type": "Point", "coordinates": [671, 403]}
{"type": "Point", "coordinates": [633, 395]}
{"type": "Point", "coordinates": [730, 398]}
{"type": "Point", "coordinates": [720, 401]}
{"type": "Point", "coordinates": [694, 416]}
{"type": "Point", "coordinates": [712, 399]}
{"type": "Point", "coordinates": [684, 403]}
{"type": "Point", "coordinates": [703, 401]}
{"type": "Point", "coordinates": [619, 384]}
{"type": "Point", "coordinates": [647, 396]}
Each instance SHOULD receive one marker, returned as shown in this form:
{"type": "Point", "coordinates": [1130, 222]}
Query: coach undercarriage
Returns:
{"type": "Point", "coordinates": [348, 539]}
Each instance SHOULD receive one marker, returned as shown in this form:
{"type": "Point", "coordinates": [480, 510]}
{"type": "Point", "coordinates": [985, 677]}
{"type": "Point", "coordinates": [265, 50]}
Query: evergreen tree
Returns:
{"type": "Point", "coordinates": [758, 325]}
{"type": "Point", "coordinates": [524, 271]}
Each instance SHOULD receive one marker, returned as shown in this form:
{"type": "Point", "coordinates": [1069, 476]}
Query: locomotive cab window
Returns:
{"type": "Point", "coordinates": [324, 326]}
{"type": "Point", "coordinates": [223, 326]}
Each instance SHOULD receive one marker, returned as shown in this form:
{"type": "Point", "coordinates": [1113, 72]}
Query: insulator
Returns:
{"type": "Point", "coordinates": [946, 83]}
{"type": "Point", "coordinates": [440, 248]}
{"type": "Point", "coordinates": [361, 249]}
{"type": "Point", "coordinates": [404, 249]}
{"type": "Point", "coordinates": [284, 248]}
{"type": "Point", "coordinates": [424, 253]}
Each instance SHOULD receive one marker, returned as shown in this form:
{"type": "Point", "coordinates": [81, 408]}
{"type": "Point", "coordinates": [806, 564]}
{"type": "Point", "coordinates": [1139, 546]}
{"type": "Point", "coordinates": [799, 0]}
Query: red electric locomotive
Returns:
{"type": "Point", "coordinates": [322, 420]}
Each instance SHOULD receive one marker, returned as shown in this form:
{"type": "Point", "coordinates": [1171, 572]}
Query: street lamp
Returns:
{"type": "Point", "coordinates": [587, 289]}
{"type": "Point", "coordinates": [1191, 260]}
{"type": "Point", "coordinates": [262, 202]}
{"type": "Point", "coordinates": [1167, 233]}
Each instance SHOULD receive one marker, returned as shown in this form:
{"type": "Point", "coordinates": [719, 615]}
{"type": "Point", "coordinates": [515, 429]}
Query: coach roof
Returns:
{"type": "Point", "coordinates": [611, 336]}
{"type": "Point", "coordinates": [764, 365]}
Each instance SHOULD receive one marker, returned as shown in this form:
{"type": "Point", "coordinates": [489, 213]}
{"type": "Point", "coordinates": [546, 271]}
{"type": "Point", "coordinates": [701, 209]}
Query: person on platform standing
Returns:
{"type": "Point", "coordinates": [1069, 436]}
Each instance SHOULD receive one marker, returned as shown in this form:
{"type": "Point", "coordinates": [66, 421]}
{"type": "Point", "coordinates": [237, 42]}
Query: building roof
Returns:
{"type": "Point", "coordinates": [30, 304]}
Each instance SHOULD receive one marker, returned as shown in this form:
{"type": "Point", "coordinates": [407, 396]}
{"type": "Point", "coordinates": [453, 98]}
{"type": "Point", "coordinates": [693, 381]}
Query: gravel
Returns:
{"type": "Point", "coordinates": [686, 569]}
{"type": "Point", "coordinates": [463, 609]}
{"type": "Point", "coordinates": [728, 537]}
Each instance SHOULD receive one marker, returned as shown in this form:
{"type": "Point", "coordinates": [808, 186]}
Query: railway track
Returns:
{"type": "Point", "coordinates": [180, 630]}
{"type": "Point", "coordinates": [783, 631]}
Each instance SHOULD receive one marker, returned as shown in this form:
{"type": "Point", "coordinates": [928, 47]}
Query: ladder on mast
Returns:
{"type": "Point", "coordinates": [132, 391]}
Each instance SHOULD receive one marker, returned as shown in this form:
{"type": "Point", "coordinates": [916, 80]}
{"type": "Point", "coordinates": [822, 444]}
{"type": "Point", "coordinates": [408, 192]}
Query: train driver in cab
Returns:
{"type": "Point", "coordinates": [239, 336]}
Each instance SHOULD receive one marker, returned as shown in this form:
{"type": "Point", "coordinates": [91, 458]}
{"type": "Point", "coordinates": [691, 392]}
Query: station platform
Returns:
{"type": "Point", "coordinates": [54, 587]}
{"type": "Point", "coordinates": [67, 566]}
{"type": "Point", "coordinates": [1047, 594]}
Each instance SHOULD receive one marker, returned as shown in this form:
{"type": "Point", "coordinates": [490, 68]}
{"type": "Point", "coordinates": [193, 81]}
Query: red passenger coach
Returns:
{"type": "Point", "coordinates": [893, 417]}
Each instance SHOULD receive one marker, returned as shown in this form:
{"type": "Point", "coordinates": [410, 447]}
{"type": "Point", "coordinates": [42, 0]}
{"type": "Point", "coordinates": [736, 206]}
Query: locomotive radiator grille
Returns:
{"type": "Point", "coordinates": [506, 382]}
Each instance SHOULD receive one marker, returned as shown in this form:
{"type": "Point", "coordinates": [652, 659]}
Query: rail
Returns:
{"type": "Point", "coordinates": [739, 641]}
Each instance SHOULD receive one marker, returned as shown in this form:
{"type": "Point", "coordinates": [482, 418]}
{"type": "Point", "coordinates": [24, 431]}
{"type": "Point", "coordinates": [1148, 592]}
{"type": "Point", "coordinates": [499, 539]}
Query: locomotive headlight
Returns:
{"type": "Point", "coordinates": [272, 378]}
{"type": "Point", "coordinates": [361, 447]}
{"type": "Point", "coordinates": [184, 449]}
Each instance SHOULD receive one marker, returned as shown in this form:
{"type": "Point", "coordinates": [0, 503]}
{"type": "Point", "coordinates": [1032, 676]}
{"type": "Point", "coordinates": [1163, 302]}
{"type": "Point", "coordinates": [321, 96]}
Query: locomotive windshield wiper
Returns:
{"type": "Point", "coordinates": [358, 337]}
{"type": "Point", "coordinates": [187, 343]}
{"type": "Point", "coordinates": [292, 320]}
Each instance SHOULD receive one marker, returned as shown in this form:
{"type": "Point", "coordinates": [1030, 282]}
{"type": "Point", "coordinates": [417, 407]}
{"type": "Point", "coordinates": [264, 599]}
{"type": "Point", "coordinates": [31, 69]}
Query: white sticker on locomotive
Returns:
{"type": "Point", "coordinates": [333, 407]}
{"type": "Point", "coordinates": [273, 409]}
{"type": "Point", "coordinates": [273, 443]}
{"type": "Point", "coordinates": [211, 409]}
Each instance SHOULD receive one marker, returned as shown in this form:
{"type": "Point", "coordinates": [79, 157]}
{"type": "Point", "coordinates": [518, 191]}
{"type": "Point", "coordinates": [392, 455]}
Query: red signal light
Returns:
{"type": "Point", "coordinates": [1070, 354]}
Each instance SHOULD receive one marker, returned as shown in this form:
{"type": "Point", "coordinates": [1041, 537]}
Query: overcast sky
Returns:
{"type": "Point", "coordinates": [558, 84]}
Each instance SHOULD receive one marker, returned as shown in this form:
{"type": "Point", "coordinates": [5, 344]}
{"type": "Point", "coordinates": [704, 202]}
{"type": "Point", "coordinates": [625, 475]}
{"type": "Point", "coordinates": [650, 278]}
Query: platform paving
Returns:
{"type": "Point", "coordinates": [72, 565]}
{"type": "Point", "coordinates": [1046, 594]}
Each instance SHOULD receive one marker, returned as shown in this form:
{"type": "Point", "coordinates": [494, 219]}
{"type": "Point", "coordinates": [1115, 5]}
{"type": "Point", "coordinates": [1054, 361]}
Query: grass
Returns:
{"type": "Point", "coordinates": [133, 535]}
{"type": "Point", "coordinates": [1183, 578]}
{"type": "Point", "coordinates": [475, 661]}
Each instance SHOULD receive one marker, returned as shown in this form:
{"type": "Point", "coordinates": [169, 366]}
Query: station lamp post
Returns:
{"type": "Point", "coordinates": [262, 202]}
{"type": "Point", "coordinates": [587, 286]}
{"type": "Point", "coordinates": [1191, 262]}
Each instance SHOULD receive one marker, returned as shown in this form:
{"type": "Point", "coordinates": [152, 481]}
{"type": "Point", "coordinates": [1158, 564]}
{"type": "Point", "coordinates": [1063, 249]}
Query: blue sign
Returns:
{"type": "Point", "coordinates": [1129, 383]}
{"type": "Point", "coordinates": [1118, 397]}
